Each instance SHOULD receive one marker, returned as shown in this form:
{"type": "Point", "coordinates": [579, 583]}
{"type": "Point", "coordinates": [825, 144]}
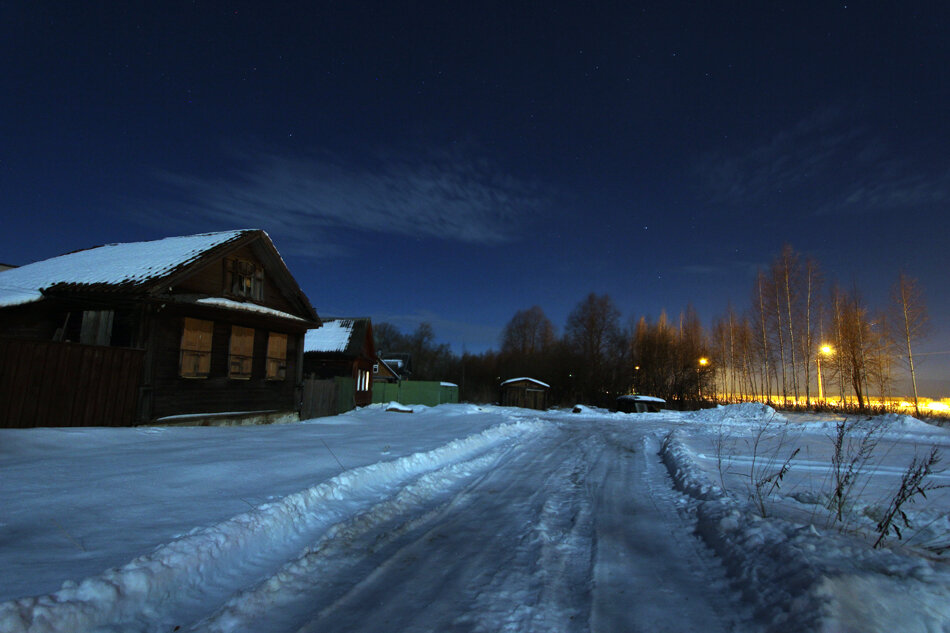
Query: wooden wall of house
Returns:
{"type": "Point", "coordinates": [170, 394]}
{"type": "Point", "coordinates": [32, 321]}
{"type": "Point", "coordinates": [62, 320]}
{"type": "Point", "coordinates": [322, 366]}
{"type": "Point", "coordinates": [210, 280]}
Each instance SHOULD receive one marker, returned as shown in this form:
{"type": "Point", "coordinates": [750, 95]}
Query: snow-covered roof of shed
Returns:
{"type": "Point", "coordinates": [640, 398]}
{"type": "Point", "coordinates": [332, 336]}
{"type": "Point", "coordinates": [537, 382]}
{"type": "Point", "coordinates": [129, 263]}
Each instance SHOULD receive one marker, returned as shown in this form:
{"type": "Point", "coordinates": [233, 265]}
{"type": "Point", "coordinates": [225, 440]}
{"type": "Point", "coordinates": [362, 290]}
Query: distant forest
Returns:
{"type": "Point", "coordinates": [795, 334]}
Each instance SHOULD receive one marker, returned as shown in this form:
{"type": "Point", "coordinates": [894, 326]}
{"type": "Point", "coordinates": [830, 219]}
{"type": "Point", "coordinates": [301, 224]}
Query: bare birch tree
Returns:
{"type": "Point", "coordinates": [787, 274]}
{"type": "Point", "coordinates": [854, 344]}
{"type": "Point", "coordinates": [912, 316]}
{"type": "Point", "coordinates": [760, 311]}
{"type": "Point", "coordinates": [812, 285]}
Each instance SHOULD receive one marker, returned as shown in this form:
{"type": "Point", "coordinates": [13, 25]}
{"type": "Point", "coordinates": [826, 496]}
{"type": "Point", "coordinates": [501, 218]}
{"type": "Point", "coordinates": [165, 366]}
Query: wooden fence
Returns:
{"type": "Point", "coordinates": [46, 383]}
{"type": "Point", "coordinates": [319, 398]}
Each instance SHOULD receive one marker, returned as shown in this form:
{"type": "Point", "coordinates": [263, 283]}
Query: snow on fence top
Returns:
{"type": "Point", "coordinates": [112, 264]}
{"type": "Point", "coordinates": [332, 336]}
{"type": "Point", "coordinates": [537, 382]}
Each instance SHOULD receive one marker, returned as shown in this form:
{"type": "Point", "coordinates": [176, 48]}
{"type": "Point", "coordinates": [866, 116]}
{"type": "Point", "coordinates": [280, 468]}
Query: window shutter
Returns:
{"type": "Point", "coordinates": [195, 356]}
{"type": "Point", "coordinates": [241, 352]}
{"type": "Point", "coordinates": [276, 356]}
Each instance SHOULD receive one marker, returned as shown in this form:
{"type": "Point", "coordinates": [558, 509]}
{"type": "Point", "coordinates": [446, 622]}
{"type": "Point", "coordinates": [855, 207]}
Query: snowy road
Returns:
{"type": "Point", "coordinates": [537, 525]}
{"type": "Point", "coordinates": [569, 531]}
{"type": "Point", "coordinates": [460, 518]}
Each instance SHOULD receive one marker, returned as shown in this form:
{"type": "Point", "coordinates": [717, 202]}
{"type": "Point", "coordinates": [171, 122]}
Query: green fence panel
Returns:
{"type": "Point", "coordinates": [419, 392]}
{"type": "Point", "coordinates": [384, 392]}
{"type": "Point", "coordinates": [424, 392]}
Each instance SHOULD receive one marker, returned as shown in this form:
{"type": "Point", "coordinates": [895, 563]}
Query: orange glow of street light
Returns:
{"type": "Point", "coordinates": [703, 361]}
{"type": "Point", "coordinates": [827, 350]}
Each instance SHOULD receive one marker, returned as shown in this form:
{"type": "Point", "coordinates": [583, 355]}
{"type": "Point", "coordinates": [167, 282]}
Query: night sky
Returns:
{"type": "Point", "coordinates": [457, 163]}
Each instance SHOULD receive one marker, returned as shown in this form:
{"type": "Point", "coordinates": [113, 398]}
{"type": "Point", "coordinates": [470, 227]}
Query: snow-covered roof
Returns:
{"type": "Point", "coordinates": [639, 398]}
{"type": "Point", "coordinates": [332, 336]}
{"type": "Point", "coordinates": [537, 382]}
{"type": "Point", "coordinates": [230, 304]}
{"type": "Point", "coordinates": [127, 264]}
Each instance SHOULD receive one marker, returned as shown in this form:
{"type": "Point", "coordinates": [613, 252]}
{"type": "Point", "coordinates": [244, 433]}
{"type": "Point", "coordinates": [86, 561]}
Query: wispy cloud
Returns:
{"type": "Point", "coordinates": [824, 165]}
{"type": "Point", "coordinates": [721, 268]}
{"type": "Point", "coordinates": [894, 194]}
{"type": "Point", "coordinates": [441, 194]}
{"type": "Point", "coordinates": [470, 336]}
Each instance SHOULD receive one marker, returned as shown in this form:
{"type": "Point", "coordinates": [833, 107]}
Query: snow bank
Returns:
{"type": "Point", "coordinates": [165, 576]}
{"type": "Point", "coordinates": [743, 414]}
{"type": "Point", "coordinates": [589, 410]}
{"type": "Point", "coordinates": [799, 579]}
{"type": "Point", "coordinates": [897, 421]}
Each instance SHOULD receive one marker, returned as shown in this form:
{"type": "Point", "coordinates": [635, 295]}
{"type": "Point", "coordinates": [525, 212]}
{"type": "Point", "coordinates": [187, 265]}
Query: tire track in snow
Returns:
{"type": "Point", "coordinates": [186, 579]}
{"type": "Point", "coordinates": [557, 549]}
{"type": "Point", "coordinates": [652, 573]}
{"type": "Point", "coordinates": [345, 550]}
{"type": "Point", "coordinates": [502, 555]}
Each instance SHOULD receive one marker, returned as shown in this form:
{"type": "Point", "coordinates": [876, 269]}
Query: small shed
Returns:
{"type": "Point", "coordinates": [342, 348]}
{"type": "Point", "coordinates": [524, 392]}
{"type": "Point", "coordinates": [637, 403]}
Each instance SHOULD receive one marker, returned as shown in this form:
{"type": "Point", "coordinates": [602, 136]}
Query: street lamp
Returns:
{"type": "Point", "coordinates": [703, 362]}
{"type": "Point", "coordinates": [827, 350]}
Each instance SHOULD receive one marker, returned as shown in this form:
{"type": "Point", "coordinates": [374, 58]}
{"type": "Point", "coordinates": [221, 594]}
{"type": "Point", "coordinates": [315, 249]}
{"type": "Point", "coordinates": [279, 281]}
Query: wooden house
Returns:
{"type": "Point", "coordinates": [399, 363]}
{"type": "Point", "coordinates": [343, 348]}
{"type": "Point", "coordinates": [383, 373]}
{"type": "Point", "coordinates": [524, 392]}
{"type": "Point", "coordinates": [199, 326]}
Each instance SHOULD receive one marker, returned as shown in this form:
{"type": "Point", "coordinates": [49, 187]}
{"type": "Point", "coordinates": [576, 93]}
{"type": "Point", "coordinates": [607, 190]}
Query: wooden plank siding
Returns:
{"type": "Point", "coordinates": [45, 383]}
{"type": "Point", "coordinates": [319, 399]}
{"type": "Point", "coordinates": [211, 280]}
{"type": "Point", "coordinates": [170, 394]}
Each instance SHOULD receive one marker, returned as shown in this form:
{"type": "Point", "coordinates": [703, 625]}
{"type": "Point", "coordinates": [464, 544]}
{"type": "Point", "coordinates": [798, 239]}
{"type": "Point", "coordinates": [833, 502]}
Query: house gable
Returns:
{"type": "Point", "coordinates": [254, 258]}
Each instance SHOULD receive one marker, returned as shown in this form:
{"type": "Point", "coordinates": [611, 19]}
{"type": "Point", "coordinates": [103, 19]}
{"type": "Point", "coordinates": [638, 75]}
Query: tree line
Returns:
{"type": "Point", "coordinates": [800, 344]}
{"type": "Point", "coordinates": [596, 359]}
{"type": "Point", "coordinates": [771, 351]}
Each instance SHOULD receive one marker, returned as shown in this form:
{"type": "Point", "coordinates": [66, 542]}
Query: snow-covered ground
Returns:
{"type": "Point", "coordinates": [470, 518]}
